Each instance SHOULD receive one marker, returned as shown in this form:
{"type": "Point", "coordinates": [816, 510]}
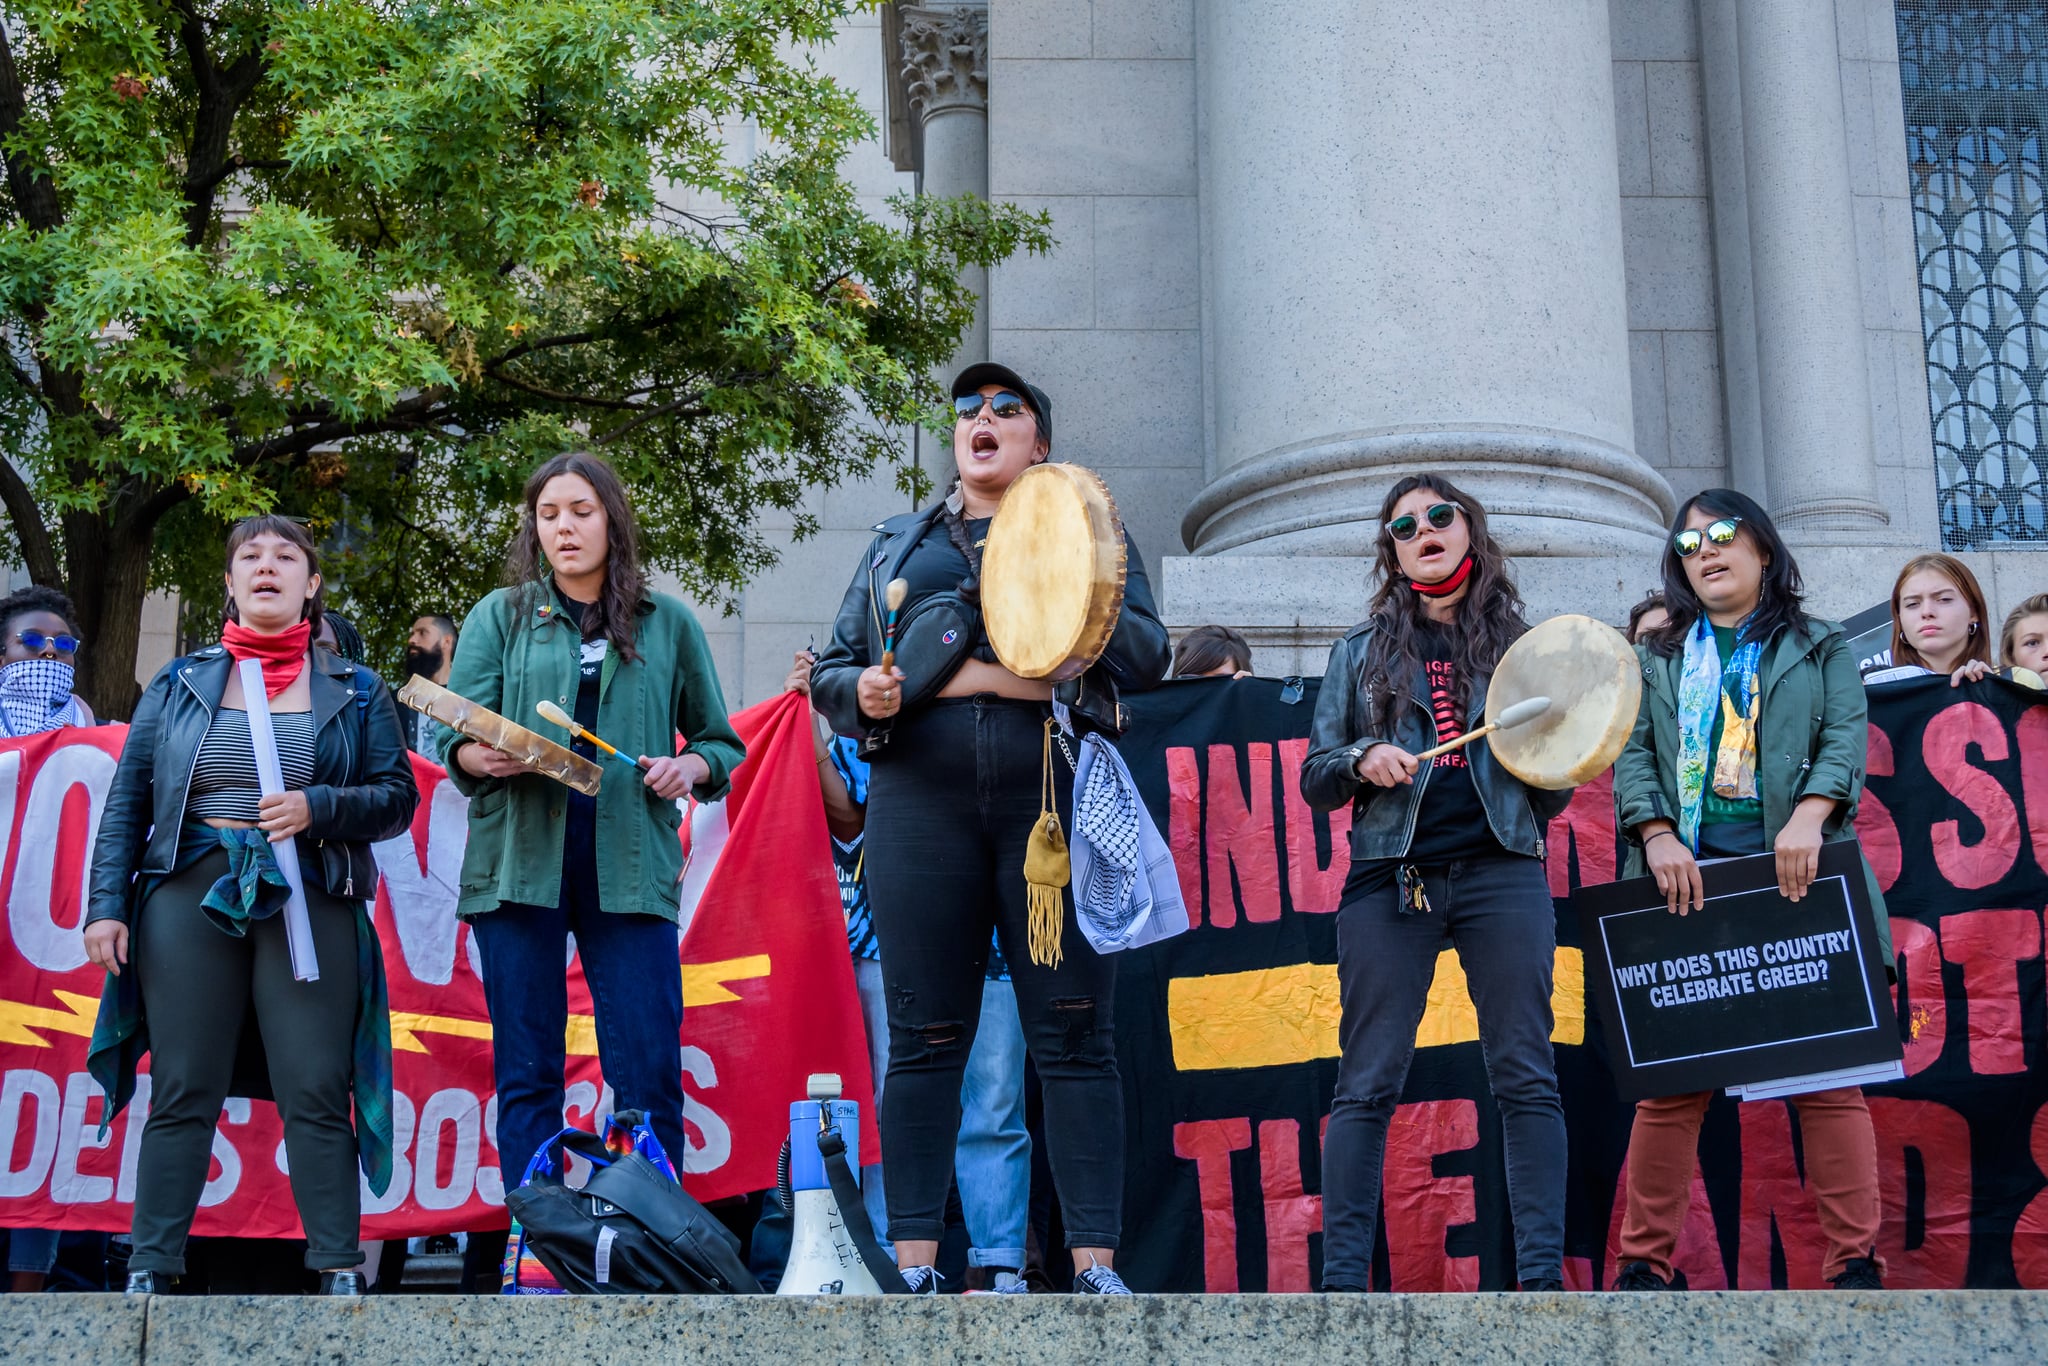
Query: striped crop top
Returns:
{"type": "Point", "coordinates": [224, 785]}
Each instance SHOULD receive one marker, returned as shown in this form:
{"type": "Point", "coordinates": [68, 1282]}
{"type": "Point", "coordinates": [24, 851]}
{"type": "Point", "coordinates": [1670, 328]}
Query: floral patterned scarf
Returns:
{"type": "Point", "coordinates": [1705, 684]}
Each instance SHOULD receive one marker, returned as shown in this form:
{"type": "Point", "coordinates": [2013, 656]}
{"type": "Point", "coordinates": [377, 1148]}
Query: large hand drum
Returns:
{"type": "Point", "coordinates": [1052, 573]}
{"type": "Point", "coordinates": [1596, 685]}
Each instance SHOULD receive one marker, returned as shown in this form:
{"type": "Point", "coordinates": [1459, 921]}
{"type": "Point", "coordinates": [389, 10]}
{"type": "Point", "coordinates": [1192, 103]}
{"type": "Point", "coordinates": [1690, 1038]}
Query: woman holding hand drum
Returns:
{"type": "Point", "coordinates": [1751, 737]}
{"type": "Point", "coordinates": [187, 911]}
{"type": "Point", "coordinates": [959, 753]}
{"type": "Point", "coordinates": [1443, 853]}
{"type": "Point", "coordinates": [580, 629]}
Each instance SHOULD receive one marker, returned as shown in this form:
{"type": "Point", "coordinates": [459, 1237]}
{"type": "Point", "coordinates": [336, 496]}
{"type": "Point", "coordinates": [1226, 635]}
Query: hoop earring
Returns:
{"type": "Point", "coordinates": [1973, 628]}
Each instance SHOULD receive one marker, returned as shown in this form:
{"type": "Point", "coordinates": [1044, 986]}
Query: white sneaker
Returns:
{"type": "Point", "coordinates": [1099, 1280]}
{"type": "Point", "coordinates": [1006, 1283]}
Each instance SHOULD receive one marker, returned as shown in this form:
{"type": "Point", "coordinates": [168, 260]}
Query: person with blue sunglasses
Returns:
{"type": "Point", "coordinates": [39, 664]}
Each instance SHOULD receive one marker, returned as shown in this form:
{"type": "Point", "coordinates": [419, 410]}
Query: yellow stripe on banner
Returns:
{"type": "Point", "coordinates": [704, 984]}
{"type": "Point", "coordinates": [1272, 1017]}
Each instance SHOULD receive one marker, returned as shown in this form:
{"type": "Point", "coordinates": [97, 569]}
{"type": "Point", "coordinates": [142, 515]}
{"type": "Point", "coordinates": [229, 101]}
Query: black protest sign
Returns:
{"type": "Point", "coordinates": [1750, 987]}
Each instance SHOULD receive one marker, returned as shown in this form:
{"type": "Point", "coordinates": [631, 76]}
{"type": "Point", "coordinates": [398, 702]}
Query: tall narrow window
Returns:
{"type": "Point", "coordinates": [1975, 77]}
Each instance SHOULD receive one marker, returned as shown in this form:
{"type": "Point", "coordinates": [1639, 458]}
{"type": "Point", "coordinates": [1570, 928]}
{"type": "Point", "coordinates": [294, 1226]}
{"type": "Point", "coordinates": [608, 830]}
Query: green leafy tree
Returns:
{"type": "Point", "coordinates": [367, 261]}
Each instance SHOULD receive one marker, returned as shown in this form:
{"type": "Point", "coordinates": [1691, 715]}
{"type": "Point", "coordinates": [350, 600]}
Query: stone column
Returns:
{"type": "Point", "coordinates": [1413, 261]}
{"type": "Point", "coordinates": [945, 73]}
{"type": "Point", "coordinates": [1813, 381]}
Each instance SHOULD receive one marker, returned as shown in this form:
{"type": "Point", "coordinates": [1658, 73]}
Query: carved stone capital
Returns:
{"type": "Point", "coordinates": [944, 58]}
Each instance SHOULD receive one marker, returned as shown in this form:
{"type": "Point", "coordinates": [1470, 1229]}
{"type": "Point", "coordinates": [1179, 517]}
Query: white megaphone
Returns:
{"type": "Point", "coordinates": [822, 1257]}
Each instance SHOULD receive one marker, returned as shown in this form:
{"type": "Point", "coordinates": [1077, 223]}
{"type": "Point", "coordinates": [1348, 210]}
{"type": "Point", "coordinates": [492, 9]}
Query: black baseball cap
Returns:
{"type": "Point", "coordinates": [988, 372]}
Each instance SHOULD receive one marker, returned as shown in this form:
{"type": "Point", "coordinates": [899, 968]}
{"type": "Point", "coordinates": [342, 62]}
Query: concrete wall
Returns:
{"type": "Point", "coordinates": [1871, 1327]}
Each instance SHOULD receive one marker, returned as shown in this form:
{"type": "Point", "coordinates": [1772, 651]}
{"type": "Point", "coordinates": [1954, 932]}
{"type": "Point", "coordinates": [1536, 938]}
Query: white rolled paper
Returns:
{"type": "Point", "coordinates": [298, 926]}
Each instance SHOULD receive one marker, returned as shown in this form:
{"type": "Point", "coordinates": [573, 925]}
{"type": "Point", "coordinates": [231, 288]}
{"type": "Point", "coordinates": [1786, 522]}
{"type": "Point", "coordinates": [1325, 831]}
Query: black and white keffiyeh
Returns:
{"type": "Point", "coordinates": [1106, 816]}
{"type": "Point", "coordinates": [35, 696]}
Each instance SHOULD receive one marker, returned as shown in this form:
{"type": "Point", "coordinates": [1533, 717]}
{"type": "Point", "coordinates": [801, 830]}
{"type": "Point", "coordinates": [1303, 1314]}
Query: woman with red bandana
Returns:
{"type": "Point", "coordinates": [183, 913]}
{"type": "Point", "coordinates": [1447, 854]}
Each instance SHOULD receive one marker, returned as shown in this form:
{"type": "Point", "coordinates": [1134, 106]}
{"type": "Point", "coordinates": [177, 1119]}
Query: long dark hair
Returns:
{"type": "Point", "coordinates": [1488, 620]}
{"type": "Point", "coordinates": [289, 529]}
{"type": "Point", "coordinates": [1778, 606]}
{"type": "Point", "coordinates": [625, 584]}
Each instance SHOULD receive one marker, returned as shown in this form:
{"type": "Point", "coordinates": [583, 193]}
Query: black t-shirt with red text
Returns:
{"type": "Point", "coordinates": [1451, 823]}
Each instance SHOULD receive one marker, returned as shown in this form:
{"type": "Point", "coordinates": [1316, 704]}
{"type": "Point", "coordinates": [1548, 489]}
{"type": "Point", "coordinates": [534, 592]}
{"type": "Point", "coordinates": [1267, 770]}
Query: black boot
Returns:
{"type": "Point", "coordinates": [146, 1283]}
{"type": "Point", "coordinates": [1638, 1276]}
{"type": "Point", "coordinates": [341, 1282]}
{"type": "Point", "coordinates": [1543, 1285]}
{"type": "Point", "coordinates": [1860, 1273]}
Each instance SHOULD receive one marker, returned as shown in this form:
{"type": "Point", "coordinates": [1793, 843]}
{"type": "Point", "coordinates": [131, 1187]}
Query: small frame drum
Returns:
{"type": "Point", "coordinates": [1596, 682]}
{"type": "Point", "coordinates": [1052, 573]}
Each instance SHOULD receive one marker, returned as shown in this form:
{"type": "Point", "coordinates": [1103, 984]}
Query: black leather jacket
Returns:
{"type": "Point", "coordinates": [363, 789]}
{"type": "Point", "coordinates": [1383, 818]}
{"type": "Point", "coordinates": [1137, 658]}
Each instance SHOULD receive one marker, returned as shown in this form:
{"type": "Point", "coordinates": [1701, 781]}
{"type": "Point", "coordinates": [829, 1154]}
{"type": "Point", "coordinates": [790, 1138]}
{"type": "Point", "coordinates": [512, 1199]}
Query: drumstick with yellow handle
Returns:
{"type": "Point", "coordinates": [893, 596]}
{"type": "Point", "coordinates": [1520, 714]}
{"type": "Point", "coordinates": [550, 712]}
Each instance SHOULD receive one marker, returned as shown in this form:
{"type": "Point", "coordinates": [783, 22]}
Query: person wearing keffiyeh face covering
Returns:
{"type": "Point", "coordinates": [183, 913]}
{"type": "Point", "coordinates": [38, 666]}
{"type": "Point", "coordinates": [1751, 739]}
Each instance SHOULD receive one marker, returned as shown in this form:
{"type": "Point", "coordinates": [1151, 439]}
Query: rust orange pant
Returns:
{"type": "Point", "coordinates": [1840, 1149]}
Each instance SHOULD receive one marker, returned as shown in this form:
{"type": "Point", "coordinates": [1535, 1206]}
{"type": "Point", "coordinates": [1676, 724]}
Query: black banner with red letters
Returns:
{"type": "Point", "coordinates": [1228, 1039]}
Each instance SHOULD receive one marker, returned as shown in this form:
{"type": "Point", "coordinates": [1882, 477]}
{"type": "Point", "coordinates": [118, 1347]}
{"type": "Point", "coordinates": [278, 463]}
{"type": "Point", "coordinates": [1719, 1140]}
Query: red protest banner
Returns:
{"type": "Point", "coordinates": [768, 996]}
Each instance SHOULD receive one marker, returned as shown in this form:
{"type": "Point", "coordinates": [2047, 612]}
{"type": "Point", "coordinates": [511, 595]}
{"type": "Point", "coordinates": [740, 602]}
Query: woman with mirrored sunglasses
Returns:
{"type": "Point", "coordinates": [1751, 739]}
{"type": "Point", "coordinates": [1447, 854]}
{"type": "Point", "coordinates": [956, 743]}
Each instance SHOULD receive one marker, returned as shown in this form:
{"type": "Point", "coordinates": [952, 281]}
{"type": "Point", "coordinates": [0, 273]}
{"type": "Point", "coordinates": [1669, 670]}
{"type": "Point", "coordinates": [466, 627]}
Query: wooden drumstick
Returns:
{"type": "Point", "coordinates": [1521, 714]}
{"type": "Point", "coordinates": [893, 596]}
{"type": "Point", "coordinates": [550, 712]}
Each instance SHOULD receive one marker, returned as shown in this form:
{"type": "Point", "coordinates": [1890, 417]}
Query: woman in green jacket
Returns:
{"type": "Point", "coordinates": [1751, 738]}
{"type": "Point", "coordinates": [580, 628]}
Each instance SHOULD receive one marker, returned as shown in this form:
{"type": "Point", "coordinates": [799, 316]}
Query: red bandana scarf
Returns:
{"type": "Point", "coordinates": [282, 655]}
{"type": "Point", "coordinates": [1445, 587]}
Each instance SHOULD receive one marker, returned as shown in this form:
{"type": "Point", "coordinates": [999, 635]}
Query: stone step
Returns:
{"type": "Point", "coordinates": [1868, 1328]}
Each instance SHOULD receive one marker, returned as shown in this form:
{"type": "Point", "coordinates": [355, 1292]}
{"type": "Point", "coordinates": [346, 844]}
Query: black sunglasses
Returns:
{"type": "Point", "coordinates": [1688, 542]}
{"type": "Point", "coordinates": [1440, 515]}
{"type": "Point", "coordinates": [1004, 404]}
{"type": "Point", "coordinates": [36, 640]}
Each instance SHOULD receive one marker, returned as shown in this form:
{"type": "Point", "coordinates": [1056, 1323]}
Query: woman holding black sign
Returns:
{"type": "Point", "coordinates": [1444, 854]}
{"type": "Point", "coordinates": [1751, 738]}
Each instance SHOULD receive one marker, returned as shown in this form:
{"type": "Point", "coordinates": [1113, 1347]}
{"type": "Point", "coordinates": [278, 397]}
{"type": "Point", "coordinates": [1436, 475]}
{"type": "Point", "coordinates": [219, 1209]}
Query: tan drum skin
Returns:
{"type": "Point", "coordinates": [1595, 684]}
{"type": "Point", "coordinates": [1052, 573]}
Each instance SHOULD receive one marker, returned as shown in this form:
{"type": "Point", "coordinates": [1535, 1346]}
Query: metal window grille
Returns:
{"type": "Point", "coordinates": [1975, 80]}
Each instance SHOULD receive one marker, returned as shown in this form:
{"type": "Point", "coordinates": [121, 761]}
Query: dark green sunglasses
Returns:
{"type": "Point", "coordinates": [1440, 516]}
{"type": "Point", "coordinates": [1688, 542]}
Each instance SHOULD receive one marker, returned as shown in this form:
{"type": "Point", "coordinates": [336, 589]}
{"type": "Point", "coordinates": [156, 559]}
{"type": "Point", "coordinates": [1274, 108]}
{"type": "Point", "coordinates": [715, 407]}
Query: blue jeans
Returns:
{"type": "Point", "coordinates": [1497, 913]}
{"type": "Point", "coordinates": [992, 1160]}
{"type": "Point", "coordinates": [636, 986]}
{"type": "Point", "coordinates": [32, 1250]}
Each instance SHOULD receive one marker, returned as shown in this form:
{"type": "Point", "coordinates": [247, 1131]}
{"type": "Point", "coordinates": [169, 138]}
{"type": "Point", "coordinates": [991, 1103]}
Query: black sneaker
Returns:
{"type": "Point", "coordinates": [1638, 1276]}
{"type": "Point", "coordinates": [145, 1283]}
{"type": "Point", "coordinates": [1099, 1280]}
{"type": "Point", "coordinates": [922, 1280]}
{"type": "Point", "coordinates": [1543, 1285]}
{"type": "Point", "coordinates": [1861, 1273]}
{"type": "Point", "coordinates": [341, 1282]}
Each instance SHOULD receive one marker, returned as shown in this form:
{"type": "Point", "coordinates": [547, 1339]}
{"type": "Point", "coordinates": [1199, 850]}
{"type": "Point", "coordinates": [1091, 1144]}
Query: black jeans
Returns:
{"type": "Point", "coordinates": [198, 985]}
{"type": "Point", "coordinates": [1497, 913]}
{"type": "Point", "coordinates": [951, 803]}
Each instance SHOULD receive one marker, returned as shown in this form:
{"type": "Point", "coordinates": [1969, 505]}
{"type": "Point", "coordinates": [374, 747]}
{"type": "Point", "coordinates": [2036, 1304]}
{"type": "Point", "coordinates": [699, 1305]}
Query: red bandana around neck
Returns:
{"type": "Point", "coordinates": [283, 654]}
{"type": "Point", "coordinates": [1444, 588]}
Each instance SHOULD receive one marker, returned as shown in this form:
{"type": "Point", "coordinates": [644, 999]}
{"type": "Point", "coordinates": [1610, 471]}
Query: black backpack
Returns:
{"type": "Point", "coordinates": [631, 1229]}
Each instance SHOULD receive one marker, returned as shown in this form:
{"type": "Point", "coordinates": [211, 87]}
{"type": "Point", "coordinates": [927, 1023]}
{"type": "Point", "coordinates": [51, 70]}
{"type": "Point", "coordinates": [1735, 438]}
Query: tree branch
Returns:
{"type": "Point", "coordinates": [232, 165]}
{"type": "Point", "coordinates": [213, 124]}
{"type": "Point", "coordinates": [688, 404]}
{"type": "Point", "coordinates": [37, 551]}
{"type": "Point", "coordinates": [35, 193]}
{"type": "Point", "coordinates": [557, 396]}
{"type": "Point", "coordinates": [421, 410]}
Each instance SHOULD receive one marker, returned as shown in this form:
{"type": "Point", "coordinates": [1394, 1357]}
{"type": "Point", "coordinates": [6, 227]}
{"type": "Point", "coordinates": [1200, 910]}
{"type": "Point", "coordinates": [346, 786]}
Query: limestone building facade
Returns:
{"type": "Point", "coordinates": [1585, 256]}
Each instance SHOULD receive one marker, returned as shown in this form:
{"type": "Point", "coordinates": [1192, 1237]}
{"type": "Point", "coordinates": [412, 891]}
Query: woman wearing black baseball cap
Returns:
{"type": "Point", "coordinates": [956, 741]}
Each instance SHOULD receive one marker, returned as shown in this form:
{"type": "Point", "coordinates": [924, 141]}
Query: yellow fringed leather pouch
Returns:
{"type": "Point", "coordinates": [1047, 869]}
